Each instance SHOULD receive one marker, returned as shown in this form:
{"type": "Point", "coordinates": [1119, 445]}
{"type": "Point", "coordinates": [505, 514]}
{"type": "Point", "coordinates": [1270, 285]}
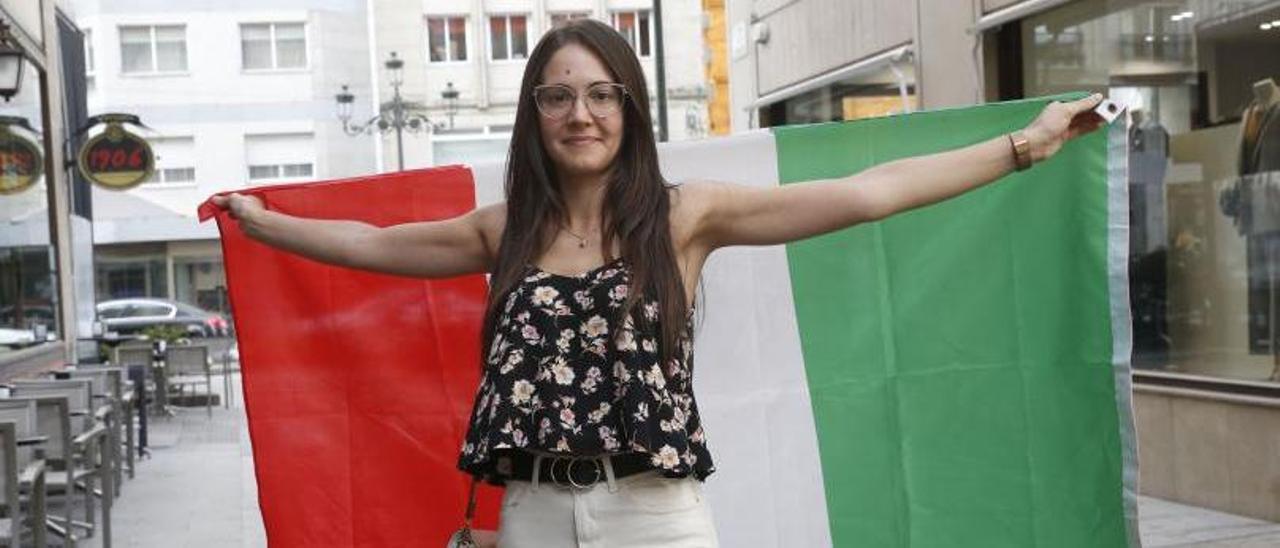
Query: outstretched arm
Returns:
{"type": "Point", "coordinates": [433, 249]}
{"type": "Point", "coordinates": [738, 215]}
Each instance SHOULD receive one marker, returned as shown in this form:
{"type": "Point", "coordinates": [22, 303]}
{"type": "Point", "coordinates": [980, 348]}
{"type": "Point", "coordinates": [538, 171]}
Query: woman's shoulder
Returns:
{"type": "Point", "coordinates": [693, 194]}
{"type": "Point", "coordinates": [691, 200]}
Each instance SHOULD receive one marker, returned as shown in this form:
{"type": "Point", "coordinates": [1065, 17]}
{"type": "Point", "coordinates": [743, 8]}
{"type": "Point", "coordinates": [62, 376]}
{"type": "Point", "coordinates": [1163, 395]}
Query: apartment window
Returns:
{"type": "Point", "coordinates": [508, 37]}
{"type": "Point", "coordinates": [280, 157]}
{"type": "Point", "coordinates": [560, 19]}
{"type": "Point", "coordinates": [634, 26]}
{"type": "Point", "coordinates": [175, 161]}
{"type": "Point", "coordinates": [153, 48]}
{"type": "Point", "coordinates": [447, 39]}
{"type": "Point", "coordinates": [88, 52]}
{"type": "Point", "coordinates": [266, 46]}
{"type": "Point", "coordinates": [279, 171]}
{"type": "Point", "coordinates": [172, 175]}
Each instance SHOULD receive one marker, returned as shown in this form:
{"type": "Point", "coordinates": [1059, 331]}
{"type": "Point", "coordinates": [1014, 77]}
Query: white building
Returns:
{"type": "Point", "coordinates": [235, 94]}
{"type": "Point", "coordinates": [238, 94]}
{"type": "Point", "coordinates": [479, 47]}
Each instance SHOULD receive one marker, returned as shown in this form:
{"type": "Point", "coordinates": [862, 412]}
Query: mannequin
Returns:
{"type": "Point", "coordinates": [1148, 290]}
{"type": "Point", "coordinates": [1259, 157]}
{"type": "Point", "coordinates": [1257, 127]}
{"type": "Point", "coordinates": [1266, 96]}
{"type": "Point", "coordinates": [1266, 92]}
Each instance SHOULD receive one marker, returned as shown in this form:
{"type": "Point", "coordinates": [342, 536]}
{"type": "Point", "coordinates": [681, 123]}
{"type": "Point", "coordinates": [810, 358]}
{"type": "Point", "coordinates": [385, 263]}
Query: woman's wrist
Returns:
{"type": "Point", "coordinates": [1020, 147]}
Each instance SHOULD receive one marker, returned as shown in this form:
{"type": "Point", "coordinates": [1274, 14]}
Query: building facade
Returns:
{"type": "Point", "coordinates": [477, 49]}
{"type": "Point", "coordinates": [1200, 79]}
{"type": "Point", "coordinates": [233, 96]}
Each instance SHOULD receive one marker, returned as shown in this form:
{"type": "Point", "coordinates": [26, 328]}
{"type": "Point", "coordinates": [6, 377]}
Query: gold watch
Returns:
{"type": "Point", "coordinates": [1021, 150]}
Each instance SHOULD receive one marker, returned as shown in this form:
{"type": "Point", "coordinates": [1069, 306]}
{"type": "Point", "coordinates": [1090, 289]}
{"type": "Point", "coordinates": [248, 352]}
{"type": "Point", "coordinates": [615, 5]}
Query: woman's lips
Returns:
{"type": "Point", "coordinates": [579, 141]}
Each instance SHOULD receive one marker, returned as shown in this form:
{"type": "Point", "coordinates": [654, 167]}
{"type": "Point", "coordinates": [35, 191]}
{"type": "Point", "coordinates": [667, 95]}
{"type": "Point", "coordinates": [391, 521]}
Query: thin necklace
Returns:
{"type": "Point", "coordinates": [582, 242]}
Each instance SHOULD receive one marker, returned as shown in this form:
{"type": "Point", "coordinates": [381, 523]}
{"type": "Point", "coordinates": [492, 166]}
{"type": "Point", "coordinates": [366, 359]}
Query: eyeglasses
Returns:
{"type": "Point", "coordinates": [558, 100]}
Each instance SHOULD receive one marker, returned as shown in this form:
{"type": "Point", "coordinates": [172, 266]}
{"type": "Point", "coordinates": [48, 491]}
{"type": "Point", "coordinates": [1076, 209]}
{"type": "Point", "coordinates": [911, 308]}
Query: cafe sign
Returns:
{"type": "Point", "coordinates": [21, 162]}
{"type": "Point", "coordinates": [116, 159]}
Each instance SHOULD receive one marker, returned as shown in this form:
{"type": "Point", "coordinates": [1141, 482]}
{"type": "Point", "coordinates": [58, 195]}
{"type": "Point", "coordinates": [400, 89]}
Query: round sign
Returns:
{"type": "Point", "coordinates": [21, 163]}
{"type": "Point", "coordinates": [117, 159]}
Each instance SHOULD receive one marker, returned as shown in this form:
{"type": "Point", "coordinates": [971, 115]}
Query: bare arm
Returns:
{"type": "Point", "coordinates": [739, 215]}
{"type": "Point", "coordinates": [432, 249]}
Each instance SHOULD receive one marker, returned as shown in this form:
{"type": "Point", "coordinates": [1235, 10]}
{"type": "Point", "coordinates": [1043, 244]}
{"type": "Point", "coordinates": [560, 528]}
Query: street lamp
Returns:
{"type": "Point", "coordinates": [450, 96]}
{"type": "Point", "coordinates": [397, 114]}
{"type": "Point", "coordinates": [11, 62]}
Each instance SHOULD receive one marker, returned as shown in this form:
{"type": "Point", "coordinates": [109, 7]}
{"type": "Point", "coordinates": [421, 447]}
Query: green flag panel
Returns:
{"type": "Point", "coordinates": [959, 357]}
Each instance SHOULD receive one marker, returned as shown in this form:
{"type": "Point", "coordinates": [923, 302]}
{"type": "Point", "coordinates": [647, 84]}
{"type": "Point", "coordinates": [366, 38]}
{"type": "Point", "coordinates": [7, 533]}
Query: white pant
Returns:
{"type": "Point", "coordinates": [642, 510]}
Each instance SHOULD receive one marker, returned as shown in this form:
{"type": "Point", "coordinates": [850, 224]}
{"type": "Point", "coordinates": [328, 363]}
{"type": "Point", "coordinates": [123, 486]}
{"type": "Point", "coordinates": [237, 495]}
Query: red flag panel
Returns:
{"type": "Point", "coordinates": [357, 385]}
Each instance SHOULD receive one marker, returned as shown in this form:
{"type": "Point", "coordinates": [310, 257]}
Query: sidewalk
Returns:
{"type": "Point", "coordinates": [198, 491]}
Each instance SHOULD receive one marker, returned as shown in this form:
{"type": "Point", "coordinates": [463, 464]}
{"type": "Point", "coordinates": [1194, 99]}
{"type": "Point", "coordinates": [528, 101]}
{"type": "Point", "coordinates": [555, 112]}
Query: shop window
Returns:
{"type": "Point", "coordinates": [29, 272]}
{"type": "Point", "coordinates": [1204, 167]}
{"type": "Point", "coordinates": [26, 288]}
{"type": "Point", "coordinates": [201, 281]}
{"type": "Point", "coordinates": [122, 278]}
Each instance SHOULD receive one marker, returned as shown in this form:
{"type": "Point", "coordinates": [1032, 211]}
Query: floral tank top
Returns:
{"type": "Point", "coordinates": [557, 380]}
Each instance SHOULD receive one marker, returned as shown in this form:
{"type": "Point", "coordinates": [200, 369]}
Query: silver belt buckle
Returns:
{"type": "Point", "coordinates": [569, 463]}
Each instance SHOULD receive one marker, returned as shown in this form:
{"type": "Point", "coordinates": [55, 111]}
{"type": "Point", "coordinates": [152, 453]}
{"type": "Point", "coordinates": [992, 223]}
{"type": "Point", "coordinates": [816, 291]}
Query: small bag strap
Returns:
{"type": "Point", "coordinates": [462, 537]}
{"type": "Point", "coordinates": [471, 503]}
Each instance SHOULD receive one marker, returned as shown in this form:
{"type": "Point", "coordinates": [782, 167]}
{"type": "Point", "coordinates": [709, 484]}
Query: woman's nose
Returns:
{"type": "Point", "coordinates": [579, 111]}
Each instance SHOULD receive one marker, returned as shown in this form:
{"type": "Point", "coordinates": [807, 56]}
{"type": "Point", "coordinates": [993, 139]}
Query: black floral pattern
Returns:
{"type": "Point", "coordinates": [558, 379]}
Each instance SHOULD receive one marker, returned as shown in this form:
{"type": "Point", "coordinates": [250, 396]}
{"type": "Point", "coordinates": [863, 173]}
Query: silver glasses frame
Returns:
{"type": "Point", "coordinates": [626, 94]}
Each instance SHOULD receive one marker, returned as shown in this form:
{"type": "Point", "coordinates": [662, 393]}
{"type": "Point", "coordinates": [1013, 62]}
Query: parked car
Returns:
{"type": "Point", "coordinates": [18, 338]}
{"type": "Point", "coordinates": [130, 316]}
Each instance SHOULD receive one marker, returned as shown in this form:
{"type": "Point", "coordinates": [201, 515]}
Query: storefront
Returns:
{"type": "Point", "coordinates": [186, 271]}
{"type": "Point", "coordinates": [46, 258]}
{"type": "Point", "coordinates": [1200, 79]}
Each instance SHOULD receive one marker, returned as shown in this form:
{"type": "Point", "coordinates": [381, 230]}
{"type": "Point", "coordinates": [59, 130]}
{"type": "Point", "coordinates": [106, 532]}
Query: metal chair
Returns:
{"type": "Point", "coordinates": [138, 358]}
{"type": "Point", "coordinates": [23, 478]}
{"type": "Point", "coordinates": [109, 386]}
{"type": "Point", "coordinates": [85, 443]}
{"type": "Point", "coordinates": [53, 422]}
{"type": "Point", "coordinates": [189, 365]}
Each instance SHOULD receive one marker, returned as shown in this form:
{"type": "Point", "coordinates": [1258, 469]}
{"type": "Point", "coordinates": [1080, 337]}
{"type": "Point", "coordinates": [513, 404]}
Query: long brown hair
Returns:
{"type": "Point", "coordinates": [636, 203]}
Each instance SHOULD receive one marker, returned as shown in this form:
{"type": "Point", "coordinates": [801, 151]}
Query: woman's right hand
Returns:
{"type": "Point", "coordinates": [240, 206]}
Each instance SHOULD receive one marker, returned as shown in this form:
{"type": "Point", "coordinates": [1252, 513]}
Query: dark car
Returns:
{"type": "Point", "coordinates": [132, 316]}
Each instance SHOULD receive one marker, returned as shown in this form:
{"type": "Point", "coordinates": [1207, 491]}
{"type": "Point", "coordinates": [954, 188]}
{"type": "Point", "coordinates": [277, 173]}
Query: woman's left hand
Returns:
{"type": "Point", "coordinates": [1061, 122]}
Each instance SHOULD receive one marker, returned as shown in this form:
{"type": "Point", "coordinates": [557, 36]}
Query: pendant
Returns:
{"type": "Point", "coordinates": [582, 244]}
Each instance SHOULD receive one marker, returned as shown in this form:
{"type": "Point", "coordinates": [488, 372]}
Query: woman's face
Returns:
{"type": "Point", "coordinates": [580, 142]}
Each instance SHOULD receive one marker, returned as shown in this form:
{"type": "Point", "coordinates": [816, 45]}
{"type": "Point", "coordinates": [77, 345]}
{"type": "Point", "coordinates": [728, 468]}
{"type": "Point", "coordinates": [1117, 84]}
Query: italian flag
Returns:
{"type": "Point", "coordinates": [952, 376]}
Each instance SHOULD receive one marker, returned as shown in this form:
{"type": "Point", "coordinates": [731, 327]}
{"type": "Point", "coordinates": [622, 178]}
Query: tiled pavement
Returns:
{"type": "Point", "coordinates": [197, 490]}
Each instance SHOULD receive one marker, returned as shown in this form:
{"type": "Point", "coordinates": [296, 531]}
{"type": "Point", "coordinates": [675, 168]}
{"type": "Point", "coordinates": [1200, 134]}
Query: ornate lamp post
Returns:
{"type": "Point", "coordinates": [450, 96]}
{"type": "Point", "coordinates": [397, 114]}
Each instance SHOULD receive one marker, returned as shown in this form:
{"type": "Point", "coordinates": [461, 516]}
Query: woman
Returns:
{"type": "Point", "coordinates": [585, 409]}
